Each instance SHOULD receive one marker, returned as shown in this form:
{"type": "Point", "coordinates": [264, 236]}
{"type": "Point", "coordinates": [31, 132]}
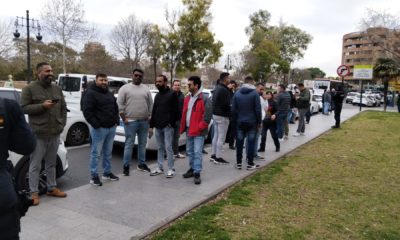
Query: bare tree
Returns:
{"type": "Point", "coordinates": [130, 39]}
{"type": "Point", "coordinates": [5, 38]}
{"type": "Point", "coordinates": [374, 18]}
{"type": "Point", "coordinates": [65, 20]}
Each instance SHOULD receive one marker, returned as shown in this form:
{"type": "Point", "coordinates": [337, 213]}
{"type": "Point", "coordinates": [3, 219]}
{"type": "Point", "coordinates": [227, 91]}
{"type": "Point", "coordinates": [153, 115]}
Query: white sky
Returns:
{"type": "Point", "coordinates": [326, 21]}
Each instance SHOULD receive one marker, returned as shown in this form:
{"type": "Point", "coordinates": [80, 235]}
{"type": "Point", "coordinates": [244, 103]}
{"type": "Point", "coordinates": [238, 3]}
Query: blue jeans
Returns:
{"type": "Point", "coordinates": [102, 145]}
{"type": "Point", "coordinates": [194, 151]}
{"type": "Point", "coordinates": [290, 116]}
{"type": "Point", "coordinates": [251, 137]}
{"type": "Point", "coordinates": [326, 108]}
{"type": "Point", "coordinates": [164, 137]}
{"type": "Point", "coordinates": [280, 124]}
{"type": "Point", "coordinates": [141, 129]}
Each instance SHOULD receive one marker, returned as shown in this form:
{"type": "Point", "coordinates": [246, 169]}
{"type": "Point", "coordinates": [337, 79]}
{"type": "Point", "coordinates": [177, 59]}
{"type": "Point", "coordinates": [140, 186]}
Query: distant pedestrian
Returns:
{"type": "Point", "coordinates": [163, 118]}
{"type": "Point", "coordinates": [176, 87]}
{"type": "Point", "coordinates": [337, 99]}
{"type": "Point", "coordinates": [45, 105]}
{"type": "Point", "coordinates": [269, 123]}
{"type": "Point", "coordinates": [135, 106]}
{"type": "Point", "coordinates": [291, 113]}
{"type": "Point", "coordinates": [398, 101]}
{"type": "Point", "coordinates": [100, 109]}
{"type": "Point", "coordinates": [221, 109]}
{"type": "Point", "coordinates": [326, 98]}
{"type": "Point", "coordinates": [231, 134]}
{"type": "Point", "coordinates": [196, 116]}
{"type": "Point", "coordinates": [303, 105]}
{"type": "Point", "coordinates": [283, 104]}
{"type": "Point", "coordinates": [260, 88]}
{"type": "Point", "coordinates": [246, 112]}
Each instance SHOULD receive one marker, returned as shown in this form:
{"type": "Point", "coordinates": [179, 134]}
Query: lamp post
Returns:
{"type": "Point", "coordinates": [29, 23]}
{"type": "Point", "coordinates": [228, 64]}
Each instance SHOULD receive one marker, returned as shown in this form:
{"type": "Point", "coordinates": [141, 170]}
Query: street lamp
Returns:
{"type": "Point", "coordinates": [228, 65]}
{"type": "Point", "coordinates": [29, 23]}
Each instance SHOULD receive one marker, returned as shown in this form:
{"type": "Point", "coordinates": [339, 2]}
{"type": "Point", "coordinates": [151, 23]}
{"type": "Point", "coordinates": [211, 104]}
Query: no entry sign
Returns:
{"type": "Point", "coordinates": [343, 70]}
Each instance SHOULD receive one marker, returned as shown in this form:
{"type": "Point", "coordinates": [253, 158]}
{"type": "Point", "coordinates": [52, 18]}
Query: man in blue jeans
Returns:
{"type": "Point", "coordinates": [283, 105]}
{"type": "Point", "coordinates": [196, 116]}
{"type": "Point", "coordinates": [135, 105]}
{"type": "Point", "coordinates": [101, 111]}
{"type": "Point", "coordinates": [246, 114]}
{"type": "Point", "coordinates": [163, 119]}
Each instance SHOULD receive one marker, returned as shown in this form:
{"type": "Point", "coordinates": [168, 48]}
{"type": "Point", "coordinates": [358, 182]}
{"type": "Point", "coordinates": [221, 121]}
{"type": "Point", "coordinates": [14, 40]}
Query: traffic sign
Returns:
{"type": "Point", "coordinates": [343, 70]}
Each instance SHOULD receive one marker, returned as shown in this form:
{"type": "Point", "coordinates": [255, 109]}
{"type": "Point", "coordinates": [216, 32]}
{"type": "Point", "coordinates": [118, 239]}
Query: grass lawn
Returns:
{"type": "Point", "coordinates": [342, 185]}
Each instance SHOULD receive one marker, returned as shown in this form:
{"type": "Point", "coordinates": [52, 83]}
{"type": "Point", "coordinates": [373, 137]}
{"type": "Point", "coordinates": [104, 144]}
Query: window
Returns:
{"type": "Point", "coordinates": [9, 95]}
{"type": "Point", "coordinates": [70, 84]}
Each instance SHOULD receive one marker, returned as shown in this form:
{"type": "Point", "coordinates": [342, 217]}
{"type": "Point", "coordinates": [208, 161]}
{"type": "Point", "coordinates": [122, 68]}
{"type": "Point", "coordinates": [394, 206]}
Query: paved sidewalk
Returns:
{"type": "Point", "coordinates": [139, 204]}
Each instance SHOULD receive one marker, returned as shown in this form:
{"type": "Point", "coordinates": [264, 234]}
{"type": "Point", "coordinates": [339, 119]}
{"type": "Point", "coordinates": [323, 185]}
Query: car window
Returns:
{"type": "Point", "coordinates": [8, 95]}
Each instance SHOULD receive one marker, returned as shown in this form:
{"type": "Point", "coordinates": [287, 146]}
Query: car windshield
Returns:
{"type": "Point", "coordinates": [317, 98]}
{"type": "Point", "coordinates": [8, 95]}
{"type": "Point", "coordinates": [70, 84]}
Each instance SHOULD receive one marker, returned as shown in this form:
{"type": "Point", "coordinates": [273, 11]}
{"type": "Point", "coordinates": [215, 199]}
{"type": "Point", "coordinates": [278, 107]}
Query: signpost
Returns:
{"type": "Point", "coordinates": [362, 72]}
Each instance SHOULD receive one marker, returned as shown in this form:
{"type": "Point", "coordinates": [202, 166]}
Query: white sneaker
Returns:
{"type": "Point", "coordinates": [156, 172]}
{"type": "Point", "coordinates": [296, 134]}
{"type": "Point", "coordinates": [170, 173]}
{"type": "Point", "coordinates": [179, 155]}
{"type": "Point", "coordinates": [280, 139]}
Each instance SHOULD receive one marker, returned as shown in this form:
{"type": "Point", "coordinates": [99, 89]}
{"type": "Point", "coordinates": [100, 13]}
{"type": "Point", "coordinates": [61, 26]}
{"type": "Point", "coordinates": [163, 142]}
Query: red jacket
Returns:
{"type": "Point", "coordinates": [200, 118]}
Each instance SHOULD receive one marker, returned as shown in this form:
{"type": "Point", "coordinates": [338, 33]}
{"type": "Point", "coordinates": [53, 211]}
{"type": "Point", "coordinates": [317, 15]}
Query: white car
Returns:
{"type": "Point", "coordinates": [366, 100]}
{"type": "Point", "coordinates": [314, 106]}
{"type": "Point", "coordinates": [119, 138]}
{"type": "Point", "coordinates": [351, 95]}
{"type": "Point", "coordinates": [318, 98]}
{"type": "Point", "coordinates": [21, 163]}
{"type": "Point", "coordinates": [76, 130]}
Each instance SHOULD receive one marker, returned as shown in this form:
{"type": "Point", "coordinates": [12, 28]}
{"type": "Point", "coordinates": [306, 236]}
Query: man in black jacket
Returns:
{"type": "Point", "coordinates": [337, 99]}
{"type": "Point", "coordinates": [163, 118]}
{"type": "Point", "coordinates": [176, 87]}
{"type": "Point", "coordinates": [100, 109]}
{"type": "Point", "coordinates": [16, 136]}
{"type": "Point", "coordinates": [221, 109]}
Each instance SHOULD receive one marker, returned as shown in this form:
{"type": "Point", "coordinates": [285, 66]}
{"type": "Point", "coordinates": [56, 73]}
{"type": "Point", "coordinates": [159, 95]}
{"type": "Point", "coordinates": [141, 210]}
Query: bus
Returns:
{"type": "Point", "coordinates": [320, 85]}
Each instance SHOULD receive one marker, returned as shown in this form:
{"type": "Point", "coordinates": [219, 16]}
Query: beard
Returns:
{"type": "Point", "coordinates": [161, 87]}
{"type": "Point", "coordinates": [47, 79]}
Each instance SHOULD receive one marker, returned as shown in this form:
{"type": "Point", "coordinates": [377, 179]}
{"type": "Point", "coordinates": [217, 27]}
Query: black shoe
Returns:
{"type": "Point", "coordinates": [213, 158]}
{"type": "Point", "coordinates": [143, 167]}
{"type": "Point", "coordinates": [261, 150]}
{"type": "Point", "coordinates": [232, 147]}
{"type": "Point", "coordinates": [333, 127]}
{"type": "Point", "coordinates": [308, 122]}
{"type": "Point", "coordinates": [238, 166]}
{"type": "Point", "coordinates": [252, 167]}
{"type": "Point", "coordinates": [110, 176]}
{"type": "Point", "coordinates": [277, 149]}
{"type": "Point", "coordinates": [204, 152]}
{"type": "Point", "coordinates": [188, 174]}
{"type": "Point", "coordinates": [96, 181]}
{"type": "Point", "coordinates": [126, 170]}
{"type": "Point", "coordinates": [220, 161]}
{"type": "Point", "coordinates": [197, 179]}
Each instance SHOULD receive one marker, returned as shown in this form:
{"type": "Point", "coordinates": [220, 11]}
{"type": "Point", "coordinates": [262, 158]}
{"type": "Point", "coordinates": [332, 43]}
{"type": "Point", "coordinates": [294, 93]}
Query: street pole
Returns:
{"type": "Point", "coordinates": [361, 88]}
{"type": "Point", "coordinates": [28, 48]}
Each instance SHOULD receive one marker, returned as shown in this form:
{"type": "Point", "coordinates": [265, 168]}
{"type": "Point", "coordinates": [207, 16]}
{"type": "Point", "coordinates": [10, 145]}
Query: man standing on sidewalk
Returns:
{"type": "Point", "coordinates": [196, 116]}
{"type": "Point", "coordinates": [231, 134]}
{"type": "Point", "coordinates": [176, 87]}
{"type": "Point", "coordinates": [283, 105]}
{"type": "Point", "coordinates": [246, 112]}
{"type": "Point", "coordinates": [135, 105]}
{"type": "Point", "coordinates": [221, 109]}
{"type": "Point", "coordinates": [45, 105]}
{"type": "Point", "coordinates": [303, 105]}
{"type": "Point", "coordinates": [163, 118]}
{"type": "Point", "coordinates": [337, 99]}
{"type": "Point", "coordinates": [101, 112]}
{"type": "Point", "coordinates": [326, 99]}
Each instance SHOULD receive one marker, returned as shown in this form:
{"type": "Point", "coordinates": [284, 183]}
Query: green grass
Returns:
{"type": "Point", "coordinates": [342, 185]}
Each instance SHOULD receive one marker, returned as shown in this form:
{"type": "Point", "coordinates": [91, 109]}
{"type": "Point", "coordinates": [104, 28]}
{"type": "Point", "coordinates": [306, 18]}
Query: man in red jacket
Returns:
{"type": "Point", "coordinates": [196, 116]}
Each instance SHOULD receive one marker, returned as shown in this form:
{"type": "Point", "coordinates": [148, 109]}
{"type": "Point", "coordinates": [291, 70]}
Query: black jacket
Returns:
{"type": "Point", "coordinates": [283, 102]}
{"type": "Point", "coordinates": [100, 108]}
{"type": "Point", "coordinates": [165, 109]}
{"type": "Point", "coordinates": [181, 98]}
{"type": "Point", "coordinates": [271, 111]}
{"type": "Point", "coordinates": [338, 97]}
{"type": "Point", "coordinates": [221, 101]}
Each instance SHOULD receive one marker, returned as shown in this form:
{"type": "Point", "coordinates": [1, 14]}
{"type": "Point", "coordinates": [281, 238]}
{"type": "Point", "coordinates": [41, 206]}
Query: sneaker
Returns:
{"type": "Point", "coordinates": [126, 170]}
{"type": "Point", "coordinates": [110, 176]}
{"type": "Point", "coordinates": [170, 173]}
{"type": "Point", "coordinates": [220, 161]}
{"type": "Point", "coordinates": [179, 155]}
{"type": "Point", "coordinates": [56, 193]}
{"type": "Point", "coordinates": [261, 150]}
{"type": "Point", "coordinates": [197, 179]}
{"type": "Point", "coordinates": [277, 149]}
{"type": "Point", "coordinates": [296, 134]}
{"type": "Point", "coordinates": [143, 167]}
{"type": "Point", "coordinates": [302, 134]}
{"type": "Point", "coordinates": [232, 147]}
{"type": "Point", "coordinates": [188, 174]}
{"type": "Point", "coordinates": [156, 172]}
{"type": "Point", "coordinates": [238, 166]}
{"type": "Point", "coordinates": [280, 139]}
{"type": "Point", "coordinates": [307, 122]}
{"type": "Point", "coordinates": [259, 158]}
{"type": "Point", "coordinates": [96, 181]}
{"type": "Point", "coordinates": [252, 167]}
{"type": "Point", "coordinates": [35, 199]}
{"type": "Point", "coordinates": [213, 158]}
{"type": "Point", "coordinates": [204, 152]}
{"type": "Point", "coordinates": [333, 127]}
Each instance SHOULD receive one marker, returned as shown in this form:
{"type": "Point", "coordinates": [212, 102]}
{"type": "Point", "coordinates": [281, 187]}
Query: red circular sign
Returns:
{"type": "Point", "coordinates": [343, 70]}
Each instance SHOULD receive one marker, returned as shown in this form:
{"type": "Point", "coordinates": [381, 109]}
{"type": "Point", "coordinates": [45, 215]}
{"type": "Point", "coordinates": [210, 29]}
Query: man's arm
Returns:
{"type": "Point", "coordinates": [63, 108]}
{"type": "Point", "coordinates": [27, 103]}
{"type": "Point", "coordinates": [89, 107]}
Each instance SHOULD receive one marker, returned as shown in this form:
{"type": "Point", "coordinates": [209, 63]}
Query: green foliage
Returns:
{"type": "Point", "coordinates": [386, 69]}
{"type": "Point", "coordinates": [316, 72]}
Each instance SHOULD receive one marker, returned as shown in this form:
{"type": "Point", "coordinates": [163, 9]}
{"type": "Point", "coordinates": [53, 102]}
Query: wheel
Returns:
{"type": "Point", "coordinates": [77, 134]}
{"type": "Point", "coordinates": [22, 177]}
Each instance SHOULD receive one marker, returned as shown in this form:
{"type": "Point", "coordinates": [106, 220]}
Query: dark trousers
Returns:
{"type": "Point", "coordinates": [241, 134]}
{"type": "Point", "coordinates": [272, 129]}
{"type": "Point", "coordinates": [338, 110]}
{"type": "Point", "coordinates": [231, 134]}
{"type": "Point", "coordinates": [308, 116]}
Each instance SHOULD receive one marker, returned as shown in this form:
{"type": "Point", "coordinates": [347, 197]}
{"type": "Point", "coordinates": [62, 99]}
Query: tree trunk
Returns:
{"type": "Point", "coordinates": [385, 90]}
{"type": "Point", "coordinates": [64, 57]}
{"type": "Point", "coordinates": [155, 68]}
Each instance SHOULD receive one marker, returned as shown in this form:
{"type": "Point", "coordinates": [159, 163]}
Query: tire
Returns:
{"type": "Point", "coordinates": [21, 175]}
{"type": "Point", "coordinates": [77, 134]}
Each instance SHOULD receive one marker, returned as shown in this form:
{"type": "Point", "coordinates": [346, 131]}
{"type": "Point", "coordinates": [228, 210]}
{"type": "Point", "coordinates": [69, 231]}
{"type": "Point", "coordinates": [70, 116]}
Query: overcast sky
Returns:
{"type": "Point", "coordinates": [326, 21]}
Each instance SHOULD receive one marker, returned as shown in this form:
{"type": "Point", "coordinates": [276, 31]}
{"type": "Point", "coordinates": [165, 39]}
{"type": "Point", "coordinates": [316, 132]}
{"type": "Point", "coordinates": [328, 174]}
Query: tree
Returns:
{"type": "Point", "coordinates": [65, 20]}
{"type": "Point", "coordinates": [188, 41]}
{"type": "Point", "coordinates": [386, 69]}
{"type": "Point", "coordinates": [130, 39]}
{"type": "Point", "coordinates": [154, 49]}
{"type": "Point", "coordinates": [5, 39]}
{"type": "Point", "coordinates": [94, 58]}
{"type": "Point", "coordinates": [316, 72]}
